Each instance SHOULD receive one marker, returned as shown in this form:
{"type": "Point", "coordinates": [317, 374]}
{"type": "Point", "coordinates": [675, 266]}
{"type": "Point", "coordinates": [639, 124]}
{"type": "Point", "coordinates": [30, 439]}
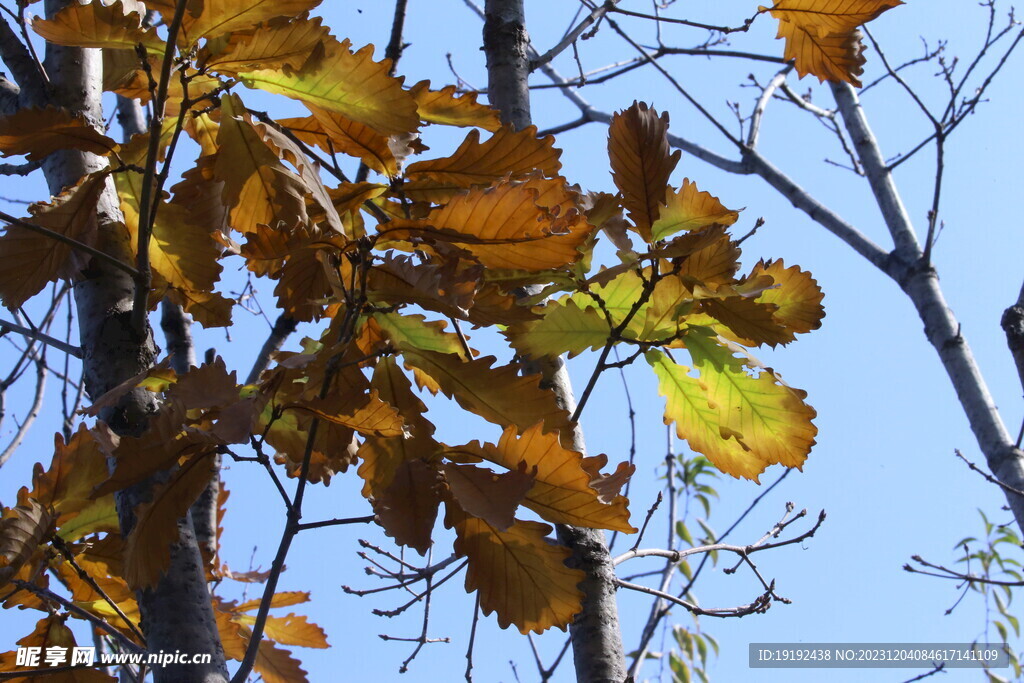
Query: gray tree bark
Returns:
{"type": "Point", "coordinates": [176, 615]}
{"type": "Point", "coordinates": [920, 282]}
{"type": "Point", "coordinates": [596, 636]}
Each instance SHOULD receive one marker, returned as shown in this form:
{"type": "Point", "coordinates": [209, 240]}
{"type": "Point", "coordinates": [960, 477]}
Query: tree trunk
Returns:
{"type": "Point", "coordinates": [176, 614]}
{"type": "Point", "coordinates": [596, 637]}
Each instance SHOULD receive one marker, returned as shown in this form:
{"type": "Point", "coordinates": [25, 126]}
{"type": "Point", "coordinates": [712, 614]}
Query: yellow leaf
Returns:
{"type": "Point", "coordinates": [499, 395]}
{"type": "Point", "coordinates": [796, 294]}
{"type": "Point", "coordinates": [333, 132]}
{"type": "Point", "coordinates": [211, 18]}
{"type": "Point", "coordinates": [183, 253]}
{"type": "Point", "coordinates": [276, 44]}
{"type": "Point", "coordinates": [641, 163]}
{"type": "Point", "coordinates": [351, 84]}
{"type": "Point", "coordinates": [373, 418]}
{"type": "Point", "coordinates": [507, 153]}
{"type": "Point", "coordinates": [95, 24]}
{"type": "Point", "coordinates": [260, 190]}
{"type": "Point", "coordinates": [38, 133]}
{"type": "Point", "coordinates": [30, 259]}
{"type": "Point", "coordinates": [564, 490]}
{"type": "Point", "coordinates": [290, 630]}
{"type": "Point", "coordinates": [502, 227]}
{"type": "Point", "coordinates": [75, 470]}
{"type": "Point", "coordinates": [690, 209]}
{"type": "Point", "coordinates": [835, 57]}
{"type": "Point", "coordinates": [824, 17]}
{"type": "Point", "coordinates": [147, 549]}
{"type": "Point", "coordinates": [822, 37]}
{"type": "Point", "coordinates": [740, 421]}
{"type": "Point", "coordinates": [276, 665]}
{"type": "Point", "coordinates": [444, 107]}
{"type": "Point", "coordinates": [414, 332]}
{"type": "Point", "coordinates": [518, 573]}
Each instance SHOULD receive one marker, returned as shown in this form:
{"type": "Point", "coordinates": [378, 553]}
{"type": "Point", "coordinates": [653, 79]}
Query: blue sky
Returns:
{"type": "Point", "coordinates": [888, 420]}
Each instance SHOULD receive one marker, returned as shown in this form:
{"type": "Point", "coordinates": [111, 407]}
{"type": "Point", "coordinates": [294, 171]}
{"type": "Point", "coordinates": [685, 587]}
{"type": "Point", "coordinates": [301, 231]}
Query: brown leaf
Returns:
{"type": "Point", "coordinates": [565, 489]}
{"type": "Point", "coordinates": [408, 507]}
{"type": "Point", "coordinates": [499, 395]}
{"type": "Point", "coordinates": [38, 133]}
{"type": "Point", "coordinates": [22, 529]}
{"type": "Point", "coordinates": [492, 497]}
{"type": "Point", "coordinates": [506, 154]}
{"type": "Point", "coordinates": [147, 550]}
{"type": "Point", "coordinates": [518, 573]}
{"type": "Point", "coordinates": [30, 260]}
{"type": "Point", "coordinates": [641, 163]}
{"type": "Point", "coordinates": [444, 107]}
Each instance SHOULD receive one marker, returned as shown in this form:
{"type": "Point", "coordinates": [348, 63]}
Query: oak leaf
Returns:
{"type": "Point", "coordinates": [407, 508]}
{"type": "Point", "coordinates": [796, 294]}
{"type": "Point", "coordinates": [742, 422]}
{"type": "Point", "coordinates": [277, 43]}
{"type": "Point", "coordinates": [517, 573]}
{"type": "Point", "coordinates": [492, 497]}
{"type": "Point", "coordinates": [502, 227]}
{"type": "Point", "coordinates": [115, 25]}
{"type": "Point", "coordinates": [444, 107]}
{"type": "Point", "coordinates": [30, 259]}
{"type": "Point", "coordinates": [351, 84]}
{"type": "Point", "coordinates": [37, 133]}
{"type": "Point", "coordinates": [641, 163]}
{"type": "Point", "coordinates": [147, 549]}
{"type": "Point", "coordinates": [499, 395]}
{"type": "Point", "coordinates": [565, 328]}
{"type": "Point", "coordinates": [507, 153]}
{"type": "Point", "coordinates": [565, 489]}
{"type": "Point", "coordinates": [690, 209]}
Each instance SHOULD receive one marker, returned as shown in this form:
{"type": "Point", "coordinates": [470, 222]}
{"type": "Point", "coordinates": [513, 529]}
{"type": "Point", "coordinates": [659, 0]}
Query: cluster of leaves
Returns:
{"type": "Point", "coordinates": [823, 36]}
{"type": "Point", "coordinates": [393, 268]}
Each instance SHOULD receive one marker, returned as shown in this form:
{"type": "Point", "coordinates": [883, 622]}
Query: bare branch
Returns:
{"type": "Point", "coordinates": [7, 326]}
{"type": "Point", "coordinates": [570, 38]}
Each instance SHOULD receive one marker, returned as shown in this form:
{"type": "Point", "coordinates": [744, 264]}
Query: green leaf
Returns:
{"type": "Point", "coordinates": [565, 328]}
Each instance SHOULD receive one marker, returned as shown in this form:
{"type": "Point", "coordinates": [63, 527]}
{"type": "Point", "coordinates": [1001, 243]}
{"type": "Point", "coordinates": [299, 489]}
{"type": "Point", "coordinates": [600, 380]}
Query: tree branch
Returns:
{"type": "Point", "coordinates": [6, 325]}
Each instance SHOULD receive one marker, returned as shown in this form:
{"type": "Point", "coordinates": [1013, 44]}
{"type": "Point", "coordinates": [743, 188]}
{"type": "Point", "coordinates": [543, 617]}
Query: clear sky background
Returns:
{"type": "Point", "coordinates": [883, 468]}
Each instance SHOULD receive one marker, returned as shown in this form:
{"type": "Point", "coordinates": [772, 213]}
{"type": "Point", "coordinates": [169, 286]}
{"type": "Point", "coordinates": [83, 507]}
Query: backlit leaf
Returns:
{"type": "Point", "coordinates": [30, 259]}
{"type": "Point", "coordinates": [502, 226]}
{"type": "Point", "coordinates": [499, 395]}
{"type": "Point", "coordinates": [518, 572]}
{"type": "Point", "coordinates": [796, 294]}
{"type": "Point", "coordinates": [507, 153]}
{"type": "Point", "coordinates": [97, 24]}
{"type": "Point", "coordinates": [351, 84]}
{"type": "Point", "coordinates": [492, 497]}
{"type": "Point", "coordinates": [565, 328]}
{"type": "Point", "coordinates": [277, 44]}
{"type": "Point", "coordinates": [690, 209]}
{"type": "Point", "coordinates": [445, 107]}
{"type": "Point", "coordinates": [147, 550]}
{"type": "Point", "coordinates": [741, 421]}
{"type": "Point", "coordinates": [38, 133]}
{"type": "Point", "coordinates": [564, 484]}
{"type": "Point", "coordinates": [407, 508]}
{"type": "Point", "coordinates": [641, 162]}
